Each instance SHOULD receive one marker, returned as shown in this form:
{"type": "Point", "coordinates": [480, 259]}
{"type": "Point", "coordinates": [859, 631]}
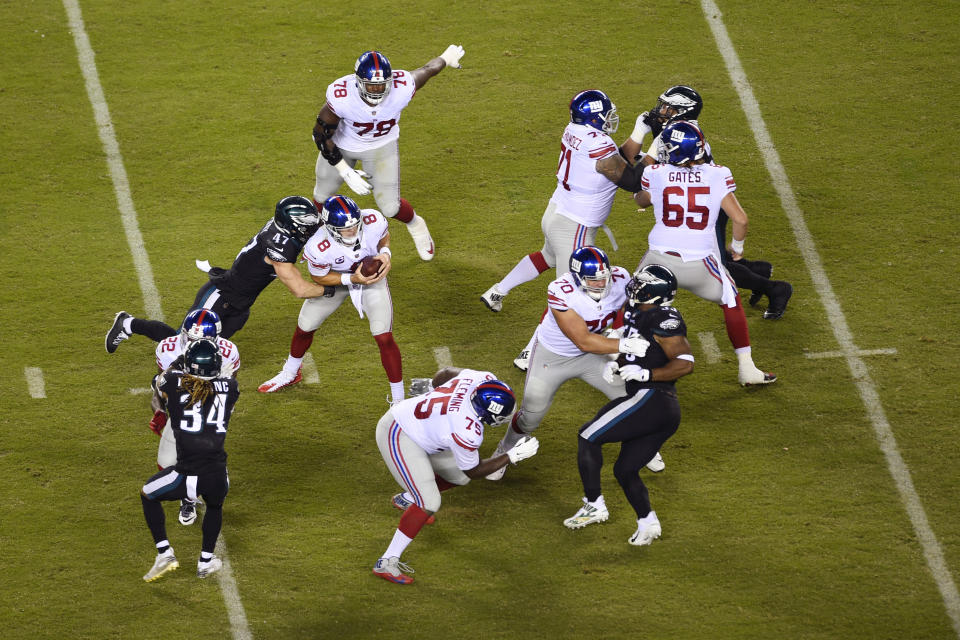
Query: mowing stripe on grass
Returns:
{"type": "Point", "coordinates": [151, 295]}
{"type": "Point", "coordinates": [838, 321]}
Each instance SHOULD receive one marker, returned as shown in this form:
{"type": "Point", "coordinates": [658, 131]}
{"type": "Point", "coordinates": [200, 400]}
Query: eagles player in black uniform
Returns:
{"type": "Point", "coordinates": [649, 414]}
{"type": "Point", "coordinates": [199, 404]}
{"type": "Point", "coordinates": [271, 254]}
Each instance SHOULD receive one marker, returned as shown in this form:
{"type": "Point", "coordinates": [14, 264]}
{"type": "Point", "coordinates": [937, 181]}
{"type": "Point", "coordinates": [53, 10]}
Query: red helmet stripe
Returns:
{"type": "Point", "coordinates": [343, 203]}
{"type": "Point", "coordinates": [376, 60]}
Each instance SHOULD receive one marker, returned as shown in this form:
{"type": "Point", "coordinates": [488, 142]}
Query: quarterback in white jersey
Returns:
{"type": "Point", "coordinates": [335, 256]}
{"type": "Point", "coordinates": [429, 443]}
{"type": "Point", "coordinates": [582, 200]}
{"type": "Point", "coordinates": [569, 342]}
{"type": "Point", "coordinates": [360, 122]}
{"type": "Point", "coordinates": [687, 193]}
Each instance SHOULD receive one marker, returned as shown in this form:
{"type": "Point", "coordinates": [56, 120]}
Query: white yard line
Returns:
{"type": "Point", "coordinates": [711, 352]}
{"type": "Point", "coordinates": [443, 357]}
{"type": "Point", "coordinates": [842, 354]}
{"type": "Point", "coordinates": [838, 322]}
{"type": "Point", "coordinates": [310, 373]}
{"type": "Point", "coordinates": [151, 295]}
{"type": "Point", "coordinates": [35, 385]}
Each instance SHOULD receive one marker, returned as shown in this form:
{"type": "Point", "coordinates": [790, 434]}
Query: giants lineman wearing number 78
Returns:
{"type": "Point", "coordinates": [360, 122]}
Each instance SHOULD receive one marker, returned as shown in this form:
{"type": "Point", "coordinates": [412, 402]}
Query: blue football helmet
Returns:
{"type": "Point", "coordinates": [341, 216]}
{"type": "Point", "coordinates": [297, 216]}
{"type": "Point", "coordinates": [680, 143]}
{"type": "Point", "coordinates": [374, 76]}
{"type": "Point", "coordinates": [202, 359]}
{"type": "Point", "coordinates": [594, 109]}
{"type": "Point", "coordinates": [494, 402]}
{"type": "Point", "coordinates": [199, 324]}
{"type": "Point", "coordinates": [652, 284]}
{"type": "Point", "coordinates": [590, 269]}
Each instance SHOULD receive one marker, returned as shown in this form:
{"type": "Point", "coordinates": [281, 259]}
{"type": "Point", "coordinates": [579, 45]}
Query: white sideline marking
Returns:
{"type": "Point", "coordinates": [443, 357]}
{"type": "Point", "coordinates": [843, 354]}
{"type": "Point", "coordinates": [140, 391]}
{"type": "Point", "coordinates": [709, 345]}
{"type": "Point", "coordinates": [35, 385]}
{"type": "Point", "coordinates": [838, 322]}
{"type": "Point", "coordinates": [151, 296]}
{"type": "Point", "coordinates": [310, 373]}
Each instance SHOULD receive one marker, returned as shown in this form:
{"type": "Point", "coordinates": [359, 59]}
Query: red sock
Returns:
{"type": "Point", "coordinates": [412, 521]}
{"type": "Point", "coordinates": [390, 356]}
{"type": "Point", "coordinates": [736, 322]}
{"type": "Point", "coordinates": [406, 212]}
{"type": "Point", "coordinates": [539, 262]}
{"type": "Point", "coordinates": [301, 342]}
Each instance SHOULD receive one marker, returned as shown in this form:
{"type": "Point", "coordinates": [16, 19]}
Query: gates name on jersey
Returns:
{"type": "Point", "coordinates": [563, 294]}
{"type": "Point", "coordinates": [444, 418]}
{"type": "Point", "coordinates": [364, 126]}
{"type": "Point", "coordinates": [169, 349]}
{"type": "Point", "coordinates": [686, 204]}
{"type": "Point", "coordinates": [324, 253]}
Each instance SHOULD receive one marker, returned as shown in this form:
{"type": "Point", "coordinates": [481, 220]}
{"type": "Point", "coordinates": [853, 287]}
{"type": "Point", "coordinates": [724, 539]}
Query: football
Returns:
{"type": "Point", "coordinates": [369, 266]}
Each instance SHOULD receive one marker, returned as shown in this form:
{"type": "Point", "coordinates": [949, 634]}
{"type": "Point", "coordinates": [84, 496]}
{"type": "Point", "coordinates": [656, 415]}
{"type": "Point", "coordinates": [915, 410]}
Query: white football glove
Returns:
{"type": "Point", "coordinates": [355, 179]}
{"type": "Point", "coordinates": [635, 372]}
{"type": "Point", "coordinates": [640, 129]}
{"type": "Point", "coordinates": [610, 372]}
{"type": "Point", "coordinates": [637, 345]}
{"type": "Point", "coordinates": [526, 448]}
{"type": "Point", "coordinates": [452, 54]}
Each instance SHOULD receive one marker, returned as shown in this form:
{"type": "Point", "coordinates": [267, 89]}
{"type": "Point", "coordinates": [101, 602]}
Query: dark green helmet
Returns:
{"type": "Point", "coordinates": [202, 359]}
{"type": "Point", "coordinates": [297, 216]}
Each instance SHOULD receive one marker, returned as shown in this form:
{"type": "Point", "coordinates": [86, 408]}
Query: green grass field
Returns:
{"type": "Point", "coordinates": [781, 516]}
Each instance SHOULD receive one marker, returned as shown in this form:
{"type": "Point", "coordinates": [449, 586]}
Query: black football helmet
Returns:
{"type": "Point", "coordinates": [652, 284]}
{"type": "Point", "coordinates": [297, 216]}
{"type": "Point", "coordinates": [679, 102]}
{"type": "Point", "coordinates": [202, 359]}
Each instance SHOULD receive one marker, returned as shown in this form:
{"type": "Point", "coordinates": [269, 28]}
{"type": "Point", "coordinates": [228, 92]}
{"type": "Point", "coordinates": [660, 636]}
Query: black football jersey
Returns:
{"type": "Point", "coordinates": [199, 429]}
{"type": "Point", "coordinates": [250, 274]}
{"type": "Point", "coordinates": [657, 321]}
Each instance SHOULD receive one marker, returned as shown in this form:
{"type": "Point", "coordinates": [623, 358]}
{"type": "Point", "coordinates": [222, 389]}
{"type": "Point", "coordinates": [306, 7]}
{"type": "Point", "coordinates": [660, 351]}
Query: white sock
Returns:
{"type": "Point", "coordinates": [206, 556]}
{"type": "Point", "coordinates": [650, 518]}
{"type": "Point", "coordinates": [397, 545]}
{"type": "Point", "coordinates": [128, 325]}
{"type": "Point", "coordinates": [523, 272]}
{"type": "Point", "coordinates": [162, 544]}
{"type": "Point", "coordinates": [744, 358]}
{"type": "Point", "coordinates": [292, 365]}
{"type": "Point", "coordinates": [598, 503]}
{"type": "Point", "coordinates": [396, 390]}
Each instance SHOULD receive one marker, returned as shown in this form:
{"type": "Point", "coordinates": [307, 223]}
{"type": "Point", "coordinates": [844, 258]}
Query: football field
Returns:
{"type": "Point", "coordinates": [140, 136]}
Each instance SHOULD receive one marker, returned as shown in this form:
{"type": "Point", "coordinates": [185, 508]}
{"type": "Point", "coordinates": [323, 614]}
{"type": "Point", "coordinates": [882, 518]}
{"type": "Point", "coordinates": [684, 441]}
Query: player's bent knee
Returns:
{"type": "Point", "coordinates": [389, 209]}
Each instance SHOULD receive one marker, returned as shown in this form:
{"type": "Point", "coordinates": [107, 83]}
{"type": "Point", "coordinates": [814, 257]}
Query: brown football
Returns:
{"type": "Point", "coordinates": [369, 266]}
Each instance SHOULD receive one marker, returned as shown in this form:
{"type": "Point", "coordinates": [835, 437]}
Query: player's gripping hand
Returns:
{"type": "Point", "coordinates": [452, 54]}
{"type": "Point", "coordinates": [354, 178]}
{"type": "Point", "coordinates": [641, 128]}
{"type": "Point", "coordinates": [651, 119]}
{"type": "Point", "coordinates": [636, 345]}
{"type": "Point", "coordinates": [635, 372]}
{"type": "Point", "coordinates": [526, 448]}
{"type": "Point", "coordinates": [610, 372]}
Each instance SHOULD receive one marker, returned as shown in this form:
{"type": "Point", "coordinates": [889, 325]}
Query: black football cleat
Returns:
{"type": "Point", "coordinates": [779, 297]}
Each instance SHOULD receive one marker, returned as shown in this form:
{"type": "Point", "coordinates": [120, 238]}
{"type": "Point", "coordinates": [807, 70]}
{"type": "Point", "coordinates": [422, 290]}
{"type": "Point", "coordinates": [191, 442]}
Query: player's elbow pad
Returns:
{"type": "Point", "coordinates": [629, 180]}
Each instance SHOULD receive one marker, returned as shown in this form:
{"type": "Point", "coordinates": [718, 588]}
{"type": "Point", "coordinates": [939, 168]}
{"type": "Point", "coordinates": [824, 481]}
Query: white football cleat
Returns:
{"type": "Point", "coordinates": [421, 237]}
{"type": "Point", "coordinates": [749, 377]}
{"type": "Point", "coordinates": [393, 570]}
{"type": "Point", "coordinates": [164, 564]}
{"type": "Point", "coordinates": [648, 530]}
{"type": "Point", "coordinates": [522, 361]}
{"type": "Point", "coordinates": [281, 381]}
{"type": "Point", "coordinates": [493, 298]}
{"type": "Point", "coordinates": [657, 464]}
{"type": "Point", "coordinates": [209, 567]}
{"type": "Point", "coordinates": [499, 473]}
{"type": "Point", "coordinates": [589, 513]}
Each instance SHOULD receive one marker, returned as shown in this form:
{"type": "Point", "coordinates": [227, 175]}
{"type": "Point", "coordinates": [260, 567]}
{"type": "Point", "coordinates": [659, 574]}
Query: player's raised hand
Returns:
{"type": "Point", "coordinates": [452, 54]}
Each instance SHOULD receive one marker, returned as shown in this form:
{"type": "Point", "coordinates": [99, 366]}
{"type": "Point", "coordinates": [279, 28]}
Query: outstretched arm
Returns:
{"type": "Point", "coordinates": [449, 58]}
{"type": "Point", "coordinates": [290, 276]}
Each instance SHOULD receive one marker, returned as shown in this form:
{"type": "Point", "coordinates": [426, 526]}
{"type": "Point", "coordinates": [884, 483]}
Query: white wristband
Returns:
{"type": "Point", "coordinates": [737, 246]}
{"type": "Point", "coordinates": [387, 251]}
{"type": "Point", "coordinates": [345, 279]}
